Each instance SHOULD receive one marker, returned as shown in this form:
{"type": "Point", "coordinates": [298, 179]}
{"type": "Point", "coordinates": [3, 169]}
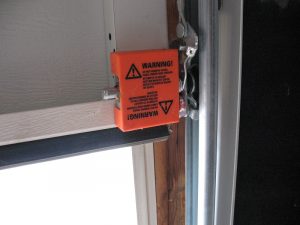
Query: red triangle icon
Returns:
{"type": "Point", "coordinates": [133, 73]}
{"type": "Point", "coordinates": [166, 105]}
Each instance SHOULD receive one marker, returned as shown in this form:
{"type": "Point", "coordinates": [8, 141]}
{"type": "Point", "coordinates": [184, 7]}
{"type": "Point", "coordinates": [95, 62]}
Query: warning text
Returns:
{"type": "Point", "coordinates": [142, 115]}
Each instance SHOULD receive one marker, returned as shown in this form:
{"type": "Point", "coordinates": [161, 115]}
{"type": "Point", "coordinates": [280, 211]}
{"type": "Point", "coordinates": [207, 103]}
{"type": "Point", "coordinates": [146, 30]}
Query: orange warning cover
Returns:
{"type": "Point", "coordinates": [149, 88]}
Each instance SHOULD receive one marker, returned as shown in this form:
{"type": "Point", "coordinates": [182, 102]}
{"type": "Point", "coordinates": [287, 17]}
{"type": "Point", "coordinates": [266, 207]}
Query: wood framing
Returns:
{"type": "Point", "coordinates": [170, 177]}
{"type": "Point", "coordinates": [169, 157]}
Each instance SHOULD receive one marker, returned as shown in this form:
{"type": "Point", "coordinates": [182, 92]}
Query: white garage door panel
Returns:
{"type": "Point", "coordinates": [141, 24]}
{"type": "Point", "coordinates": [52, 53]}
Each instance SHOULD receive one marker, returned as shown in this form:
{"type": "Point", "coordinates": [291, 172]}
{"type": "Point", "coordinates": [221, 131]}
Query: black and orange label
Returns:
{"type": "Point", "coordinates": [148, 83]}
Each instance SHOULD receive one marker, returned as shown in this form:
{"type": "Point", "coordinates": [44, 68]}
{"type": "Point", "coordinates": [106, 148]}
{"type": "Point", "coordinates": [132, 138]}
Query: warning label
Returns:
{"type": "Point", "coordinates": [133, 73]}
{"type": "Point", "coordinates": [148, 82]}
{"type": "Point", "coordinates": [166, 105]}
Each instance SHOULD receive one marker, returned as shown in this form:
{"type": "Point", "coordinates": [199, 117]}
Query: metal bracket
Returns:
{"type": "Point", "coordinates": [110, 93]}
{"type": "Point", "coordinates": [189, 39]}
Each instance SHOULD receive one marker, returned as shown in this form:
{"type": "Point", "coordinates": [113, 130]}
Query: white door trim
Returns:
{"type": "Point", "coordinates": [144, 178]}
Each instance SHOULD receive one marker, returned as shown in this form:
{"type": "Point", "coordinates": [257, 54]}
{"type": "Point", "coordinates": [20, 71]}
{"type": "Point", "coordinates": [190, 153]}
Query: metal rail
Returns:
{"type": "Point", "coordinates": [208, 109]}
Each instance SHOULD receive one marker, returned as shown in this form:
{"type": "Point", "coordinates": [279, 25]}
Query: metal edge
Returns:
{"type": "Point", "coordinates": [229, 105]}
{"type": "Point", "coordinates": [72, 145]}
{"type": "Point", "coordinates": [238, 117]}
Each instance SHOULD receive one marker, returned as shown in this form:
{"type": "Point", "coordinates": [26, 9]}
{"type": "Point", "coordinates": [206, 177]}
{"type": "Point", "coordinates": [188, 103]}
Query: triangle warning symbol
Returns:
{"type": "Point", "coordinates": [166, 105]}
{"type": "Point", "coordinates": [133, 73]}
